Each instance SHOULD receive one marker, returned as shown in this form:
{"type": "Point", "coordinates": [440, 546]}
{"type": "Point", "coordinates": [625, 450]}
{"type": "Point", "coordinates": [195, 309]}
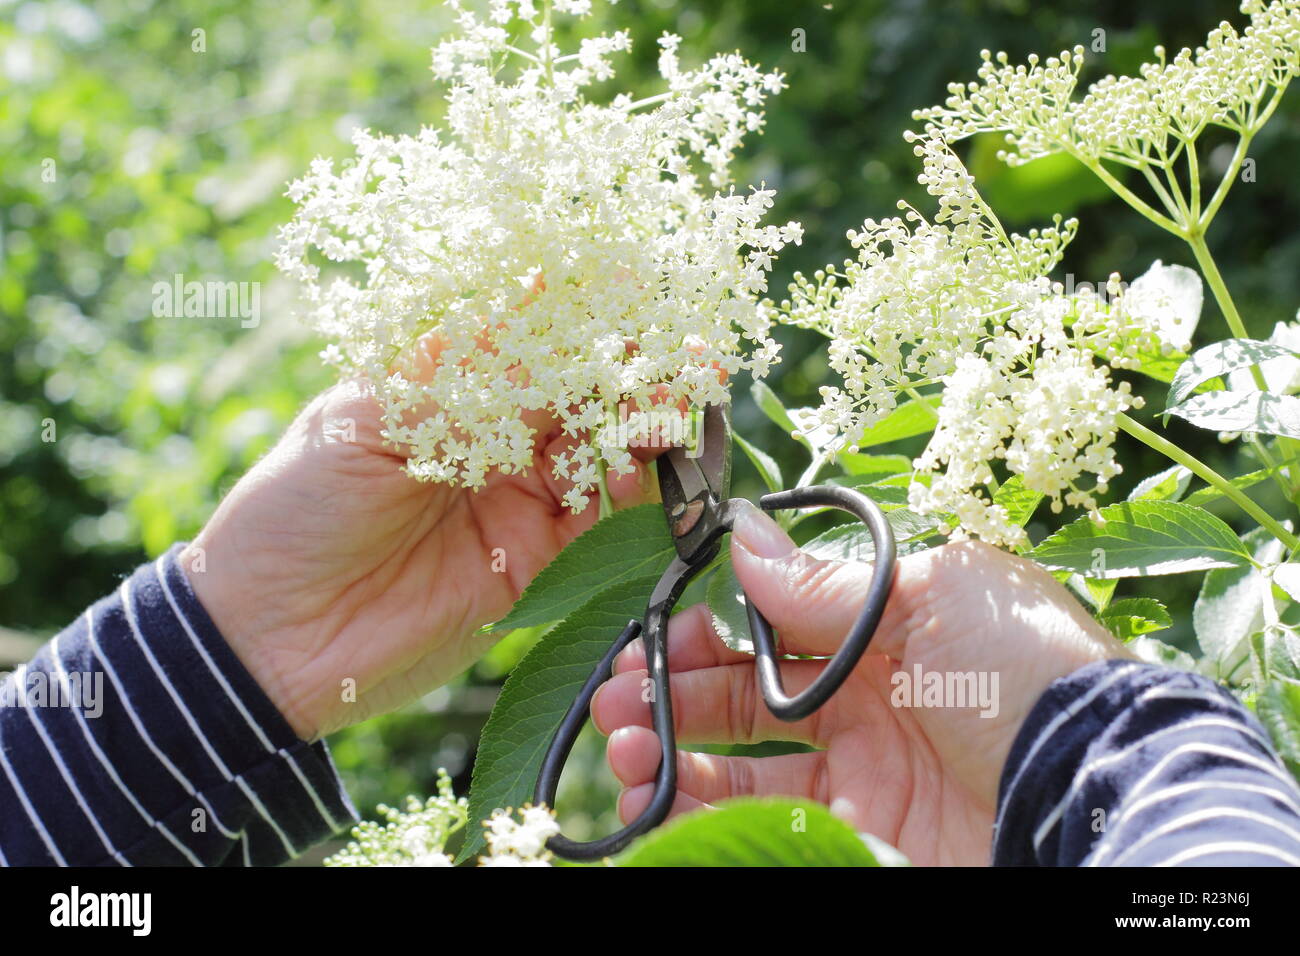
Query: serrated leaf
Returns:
{"type": "Point", "coordinates": [1204, 496]}
{"type": "Point", "coordinates": [1020, 502]}
{"type": "Point", "coordinates": [906, 421]}
{"type": "Point", "coordinates": [1168, 485]}
{"type": "Point", "coordinates": [535, 698]}
{"type": "Point", "coordinates": [764, 463]}
{"type": "Point", "coordinates": [1101, 591]}
{"type": "Point", "coordinates": [1133, 617]}
{"type": "Point", "coordinates": [857, 463]}
{"type": "Point", "coordinates": [726, 601]}
{"type": "Point", "coordinates": [1094, 591]}
{"type": "Point", "coordinates": [628, 545]}
{"type": "Point", "coordinates": [755, 832]}
{"type": "Point", "coordinates": [1264, 413]}
{"type": "Point", "coordinates": [1229, 607]}
{"type": "Point", "coordinates": [1217, 360]}
{"type": "Point", "coordinates": [1278, 709]}
{"type": "Point", "coordinates": [1143, 538]}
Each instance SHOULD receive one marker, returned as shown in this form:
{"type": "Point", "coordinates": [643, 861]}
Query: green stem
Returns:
{"type": "Point", "coordinates": [1210, 476]}
{"type": "Point", "coordinates": [1124, 193]}
{"type": "Point", "coordinates": [1196, 239]}
{"type": "Point", "coordinates": [1229, 175]}
{"type": "Point", "coordinates": [602, 485]}
{"type": "Point", "coordinates": [1221, 295]}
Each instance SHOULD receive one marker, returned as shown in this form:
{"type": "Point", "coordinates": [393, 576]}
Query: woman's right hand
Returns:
{"type": "Point", "coordinates": [924, 778]}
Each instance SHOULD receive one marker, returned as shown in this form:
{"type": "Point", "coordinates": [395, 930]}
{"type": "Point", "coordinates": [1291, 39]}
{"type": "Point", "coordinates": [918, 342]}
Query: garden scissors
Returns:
{"type": "Point", "coordinates": [694, 487]}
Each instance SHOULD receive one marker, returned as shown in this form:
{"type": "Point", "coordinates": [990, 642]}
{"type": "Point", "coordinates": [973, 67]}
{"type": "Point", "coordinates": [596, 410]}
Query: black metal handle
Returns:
{"type": "Point", "coordinates": [662, 601]}
{"type": "Point", "coordinates": [661, 604]}
{"type": "Point", "coordinates": [850, 652]}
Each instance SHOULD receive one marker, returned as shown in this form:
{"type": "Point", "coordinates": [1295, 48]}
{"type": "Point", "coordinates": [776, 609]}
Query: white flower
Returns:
{"type": "Point", "coordinates": [1168, 298]}
{"type": "Point", "coordinates": [519, 842]}
{"type": "Point", "coordinates": [1025, 368]}
{"type": "Point", "coordinates": [415, 836]}
{"type": "Point", "coordinates": [541, 254]}
{"type": "Point", "coordinates": [1131, 119]}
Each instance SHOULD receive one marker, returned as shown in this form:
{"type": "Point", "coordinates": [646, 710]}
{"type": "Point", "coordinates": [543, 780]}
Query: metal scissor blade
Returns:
{"type": "Point", "coordinates": [694, 481]}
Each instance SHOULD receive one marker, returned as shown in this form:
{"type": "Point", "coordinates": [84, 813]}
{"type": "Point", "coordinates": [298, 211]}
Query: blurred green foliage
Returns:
{"type": "Point", "coordinates": [128, 156]}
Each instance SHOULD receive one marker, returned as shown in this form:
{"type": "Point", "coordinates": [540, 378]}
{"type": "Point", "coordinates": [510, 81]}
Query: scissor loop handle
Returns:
{"type": "Point", "coordinates": [655, 631]}
{"type": "Point", "coordinates": [662, 601]}
{"type": "Point", "coordinates": [850, 652]}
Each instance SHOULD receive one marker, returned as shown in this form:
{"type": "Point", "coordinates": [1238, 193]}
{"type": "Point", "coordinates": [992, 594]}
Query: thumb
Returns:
{"type": "Point", "coordinates": [811, 603]}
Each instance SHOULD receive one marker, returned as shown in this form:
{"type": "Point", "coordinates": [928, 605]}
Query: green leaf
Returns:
{"type": "Point", "coordinates": [1257, 412]}
{"type": "Point", "coordinates": [1155, 651]}
{"type": "Point", "coordinates": [764, 463]}
{"type": "Point", "coordinates": [726, 601]}
{"type": "Point", "coordinates": [756, 832]}
{"type": "Point", "coordinates": [1204, 496]}
{"type": "Point", "coordinates": [907, 420]}
{"type": "Point", "coordinates": [888, 496]}
{"type": "Point", "coordinates": [1019, 501]}
{"type": "Point", "coordinates": [856, 463]}
{"type": "Point", "coordinates": [1287, 577]}
{"type": "Point", "coordinates": [1278, 709]}
{"type": "Point", "coordinates": [771, 406]}
{"type": "Point", "coordinates": [1100, 591]}
{"type": "Point", "coordinates": [628, 545]}
{"type": "Point", "coordinates": [1229, 607]}
{"type": "Point", "coordinates": [1217, 360]}
{"type": "Point", "coordinates": [1133, 617]}
{"type": "Point", "coordinates": [853, 542]}
{"type": "Point", "coordinates": [536, 696]}
{"type": "Point", "coordinates": [1161, 367]}
{"type": "Point", "coordinates": [1168, 485]}
{"type": "Point", "coordinates": [1143, 538]}
{"type": "Point", "coordinates": [1277, 651]}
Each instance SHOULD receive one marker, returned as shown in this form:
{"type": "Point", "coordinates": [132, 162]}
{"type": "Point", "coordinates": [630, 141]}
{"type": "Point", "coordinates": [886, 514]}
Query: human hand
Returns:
{"type": "Point", "coordinates": [923, 778]}
{"type": "Point", "coordinates": [326, 562]}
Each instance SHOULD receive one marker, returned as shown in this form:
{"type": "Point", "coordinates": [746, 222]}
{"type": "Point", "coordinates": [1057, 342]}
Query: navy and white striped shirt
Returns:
{"type": "Point", "coordinates": [1129, 764]}
{"type": "Point", "coordinates": [136, 737]}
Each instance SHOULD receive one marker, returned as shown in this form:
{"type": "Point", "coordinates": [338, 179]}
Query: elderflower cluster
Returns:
{"type": "Point", "coordinates": [542, 257]}
{"type": "Point", "coordinates": [418, 835]}
{"type": "Point", "coordinates": [1025, 367]}
{"type": "Point", "coordinates": [414, 837]}
{"type": "Point", "coordinates": [1129, 119]}
{"type": "Point", "coordinates": [519, 842]}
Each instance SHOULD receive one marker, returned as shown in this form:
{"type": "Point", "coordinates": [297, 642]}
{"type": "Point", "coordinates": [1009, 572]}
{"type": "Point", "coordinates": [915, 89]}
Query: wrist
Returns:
{"type": "Point", "coordinates": [227, 602]}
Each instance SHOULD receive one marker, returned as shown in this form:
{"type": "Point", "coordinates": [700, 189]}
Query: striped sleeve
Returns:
{"type": "Point", "coordinates": [136, 737]}
{"type": "Point", "coordinates": [1130, 764]}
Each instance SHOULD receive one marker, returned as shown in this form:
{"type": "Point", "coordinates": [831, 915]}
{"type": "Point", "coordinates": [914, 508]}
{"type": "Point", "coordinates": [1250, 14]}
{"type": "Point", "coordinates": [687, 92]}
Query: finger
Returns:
{"type": "Point", "coordinates": [633, 802]}
{"type": "Point", "coordinates": [812, 603]}
{"type": "Point", "coordinates": [633, 754]}
{"type": "Point", "coordinates": [714, 705]}
{"type": "Point", "coordinates": [692, 643]}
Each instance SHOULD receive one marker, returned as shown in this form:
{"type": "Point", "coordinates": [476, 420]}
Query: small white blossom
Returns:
{"type": "Point", "coordinates": [1132, 119]}
{"type": "Point", "coordinates": [1025, 368]}
{"type": "Point", "coordinates": [416, 836]}
{"type": "Point", "coordinates": [519, 842]}
{"type": "Point", "coordinates": [541, 254]}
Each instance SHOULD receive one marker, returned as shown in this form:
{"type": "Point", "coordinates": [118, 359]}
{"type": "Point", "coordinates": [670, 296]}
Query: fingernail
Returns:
{"type": "Point", "coordinates": [760, 535]}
